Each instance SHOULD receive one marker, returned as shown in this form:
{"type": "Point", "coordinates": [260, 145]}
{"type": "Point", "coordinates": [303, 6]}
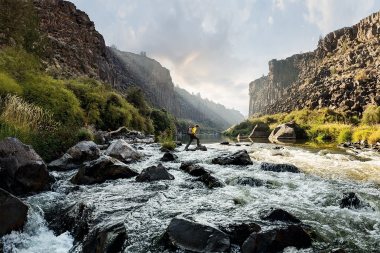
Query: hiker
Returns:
{"type": "Point", "coordinates": [191, 131]}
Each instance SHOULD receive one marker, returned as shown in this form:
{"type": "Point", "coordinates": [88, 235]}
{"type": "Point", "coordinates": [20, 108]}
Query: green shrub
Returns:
{"type": "Point", "coordinates": [371, 115]}
{"type": "Point", "coordinates": [85, 134]}
{"type": "Point", "coordinates": [326, 132]}
{"type": "Point", "coordinates": [8, 85]}
{"type": "Point", "coordinates": [163, 122]}
{"type": "Point", "coordinates": [136, 97]}
{"type": "Point", "coordinates": [362, 133]}
{"type": "Point", "coordinates": [374, 137]}
{"type": "Point", "coordinates": [345, 136]}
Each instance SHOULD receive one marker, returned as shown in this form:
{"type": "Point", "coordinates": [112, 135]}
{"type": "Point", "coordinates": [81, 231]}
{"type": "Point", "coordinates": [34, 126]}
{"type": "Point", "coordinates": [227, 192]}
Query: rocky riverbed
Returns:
{"type": "Point", "coordinates": [239, 196]}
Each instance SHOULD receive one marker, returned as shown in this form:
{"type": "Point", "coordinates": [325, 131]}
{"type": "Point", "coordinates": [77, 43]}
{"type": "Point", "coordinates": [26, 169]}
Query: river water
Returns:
{"type": "Point", "coordinates": [147, 208]}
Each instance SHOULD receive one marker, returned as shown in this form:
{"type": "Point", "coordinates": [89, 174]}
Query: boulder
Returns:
{"type": "Point", "coordinates": [191, 236]}
{"type": "Point", "coordinates": [276, 240]}
{"type": "Point", "coordinates": [193, 169]}
{"type": "Point", "coordinates": [260, 130]}
{"type": "Point", "coordinates": [239, 158]}
{"type": "Point", "coordinates": [239, 232]}
{"type": "Point", "coordinates": [168, 157]}
{"type": "Point", "coordinates": [201, 148]}
{"type": "Point", "coordinates": [102, 169]}
{"type": "Point", "coordinates": [74, 157]}
{"type": "Point", "coordinates": [22, 170]}
{"type": "Point", "coordinates": [273, 214]}
{"type": "Point", "coordinates": [13, 213]}
{"type": "Point", "coordinates": [246, 181]}
{"type": "Point", "coordinates": [210, 181]}
{"type": "Point", "coordinates": [350, 200]}
{"type": "Point", "coordinates": [108, 239]}
{"type": "Point", "coordinates": [122, 151]}
{"type": "Point", "coordinates": [279, 167]}
{"type": "Point", "coordinates": [284, 131]}
{"type": "Point", "coordinates": [154, 173]}
{"type": "Point", "coordinates": [225, 143]}
{"type": "Point", "coordinates": [178, 143]}
{"type": "Point", "coordinates": [74, 218]}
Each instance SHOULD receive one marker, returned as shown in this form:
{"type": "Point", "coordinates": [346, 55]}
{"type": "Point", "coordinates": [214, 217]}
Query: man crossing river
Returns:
{"type": "Point", "coordinates": [192, 134]}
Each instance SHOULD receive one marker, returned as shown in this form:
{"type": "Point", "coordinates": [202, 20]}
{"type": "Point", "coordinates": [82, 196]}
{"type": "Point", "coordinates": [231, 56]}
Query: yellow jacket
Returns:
{"type": "Point", "coordinates": [193, 130]}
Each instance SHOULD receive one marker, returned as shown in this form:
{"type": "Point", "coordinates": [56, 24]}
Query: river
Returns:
{"type": "Point", "coordinates": [147, 208]}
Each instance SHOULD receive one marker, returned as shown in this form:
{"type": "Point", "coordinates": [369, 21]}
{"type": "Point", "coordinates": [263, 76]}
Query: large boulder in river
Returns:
{"type": "Point", "coordinates": [154, 173]}
{"type": "Point", "coordinates": [74, 218]}
{"type": "Point", "coordinates": [22, 170]}
{"type": "Point", "coordinates": [276, 240]}
{"type": "Point", "coordinates": [284, 132]}
{"type": "Point", "coordinates": [274, 214]}
{"type": "Point", "coordinates": [13, 213]}
{"type": "Point", "coordinates": [169, 157]}
{"type": "Point", "coordinates": [260, 130]}
{"type": "Point", "coordinates": [211, 181]}
{"type": "Point", "coordinates": [121, 150]}
{"type": "Point", "coordinates": [110, 238]}
{"type": "Point", "coordinates": [239, 232]}
{"type": "Point", "coordinates": [241, 157]}
{"type": "Point", "coordinates": [195, 237]}
{"type": "Point", "coordinates": [279, 167]}
{"type": "Point", "coordinates": [193, 169]}
{"type": "Point", "coordinates": [102, 169]}
{"type": "Point", "coordinates": [76, 155]}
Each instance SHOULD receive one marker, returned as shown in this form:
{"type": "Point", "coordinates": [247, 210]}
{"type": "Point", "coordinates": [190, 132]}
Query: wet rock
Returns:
{"type": "Point", "coordinates": [273, 214]}
{"type": "Point", "coordinates": [154, 173]}
{"type": "Point", "coordinates": [22, 170]}
{"type": "Point", "coordinates": [193, 169]}
{"type": "Point", "coordinates": [188, 235]}
{"type": "Point", "coordinates": [102, 169]}
{"type": "Point", "coordinates": [13, 213]}
{"type": "Point", "coordinates": [169, 157]}
{"type": "Point", "coordinates": [276, 240]}
{"type": "Point", "coordinates": [201, 148]}
{"type": "Point", "coordinates": [239, 158]}
{"type": "Point", "coordinates": [122, 151]}
{"type": "Point", "coordinates": [351, 200]}
{"type": "Point", "coordinates": [225, 143]}
{"type": "Point", "coordinates": [339, 250]}
{"type": "Point", "coordinates": [260, 130]}
{"type": "Point", "coordinates": [165, 150]}
{"type": "Point", "coordinates": [239, 232]}
{"type": "Point", "coordinates": [284, 131]}
{"type": "Point", "coordinates": [280, 167]}
{"type": "Point", "coordinates": [75, 219]}
{"type": "Point", "coordinates": [108, 239]}
{"type": "Point", "coordinates": [178, 143]}
{"type": "Point", "coordinates": [247, 181]}
{"type": "Point", "coordinates": [211, 181]}
{"type": "Point", "coordinates": [74, 157]}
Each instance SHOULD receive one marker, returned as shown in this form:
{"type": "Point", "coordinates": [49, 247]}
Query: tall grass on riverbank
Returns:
{"type": "Point", "coordinates": [321, 126]}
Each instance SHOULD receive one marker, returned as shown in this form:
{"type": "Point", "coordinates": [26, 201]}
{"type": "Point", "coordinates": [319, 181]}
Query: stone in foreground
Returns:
{"type": "Point", "coordinates": [279, 167]}
{"type": "Point", "coordinates": [102, 169]}
{"type": "Point", "coordinates": [193, 169]}
{"type": "Point", "coordinates": [239, 158]}
{"type": "Point", "coordinates": [239, 232]}
{"type": "Point", "coordinates": [75, 156]}
{"type": "Point", "coordinates": [22, 170]}
{"type": "Point", "coordinates": [191, 236]}
{"type": "Point", "coordinates": [276, 240]}
{"type": "Point", "coordinates": [13, 213]}
{"type": "Point", "coordinates": [154, 173]}
{"type": "Point", "coordinates": [108, 239]}
{"type": "Point", "coordinates": [122, 151]}
{"type": "Point", "coordinates": [273, 214]}
{"type": "Point", "coordinates": [211, 181]}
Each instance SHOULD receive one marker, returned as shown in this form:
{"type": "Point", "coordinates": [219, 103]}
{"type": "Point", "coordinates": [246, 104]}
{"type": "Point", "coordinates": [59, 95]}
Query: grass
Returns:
{"type": "Point", "coordinates": [321, 126]}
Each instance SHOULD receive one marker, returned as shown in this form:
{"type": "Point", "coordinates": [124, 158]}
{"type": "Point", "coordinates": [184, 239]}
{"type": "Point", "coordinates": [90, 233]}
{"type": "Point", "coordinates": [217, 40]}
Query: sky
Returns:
{"type": "Point", "coordinates": [217, 47]}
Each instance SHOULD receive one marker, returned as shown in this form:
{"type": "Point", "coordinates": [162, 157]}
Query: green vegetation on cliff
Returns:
{"type": "Point", "coordinates": [320, 126]}
{"type": "Point", "coordinates": [53, 114]}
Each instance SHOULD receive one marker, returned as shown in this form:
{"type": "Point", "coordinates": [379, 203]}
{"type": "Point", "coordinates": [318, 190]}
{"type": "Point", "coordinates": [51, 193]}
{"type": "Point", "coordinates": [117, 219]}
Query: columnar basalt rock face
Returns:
{"type": "Point", "coordinates": [343, 72]}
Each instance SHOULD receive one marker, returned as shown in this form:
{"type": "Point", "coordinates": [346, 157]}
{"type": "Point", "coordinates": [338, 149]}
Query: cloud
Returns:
{"type": "Point", "coordinates": [329, 15]}
{"type": "Point", "coordinates": [270, 20]}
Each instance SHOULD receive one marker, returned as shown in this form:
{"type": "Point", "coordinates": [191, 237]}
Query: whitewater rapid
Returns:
{"type": "Point", "coordinates": [147, 208]}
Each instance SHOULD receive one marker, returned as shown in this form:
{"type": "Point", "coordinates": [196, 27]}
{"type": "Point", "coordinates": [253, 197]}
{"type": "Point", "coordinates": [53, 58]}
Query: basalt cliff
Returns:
{"type": "Point", "coordinates": [76, 49]}
{"type": "Point", "coordinates": [342, 73]}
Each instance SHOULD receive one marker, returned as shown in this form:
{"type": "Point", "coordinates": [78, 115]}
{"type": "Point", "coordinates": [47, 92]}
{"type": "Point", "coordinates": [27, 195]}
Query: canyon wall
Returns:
{"type": "Point", "coordinates": [342, 73]}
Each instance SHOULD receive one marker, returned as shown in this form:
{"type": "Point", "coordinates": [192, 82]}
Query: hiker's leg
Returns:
{"type": "Point", "coordinates": [198, 144]}
{"type": "Point", "coordinates": [188, 144]}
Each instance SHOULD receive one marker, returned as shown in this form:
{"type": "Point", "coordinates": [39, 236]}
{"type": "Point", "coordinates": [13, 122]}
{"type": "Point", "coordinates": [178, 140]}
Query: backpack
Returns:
{"type": "Point", "coordinates": [189, 130]}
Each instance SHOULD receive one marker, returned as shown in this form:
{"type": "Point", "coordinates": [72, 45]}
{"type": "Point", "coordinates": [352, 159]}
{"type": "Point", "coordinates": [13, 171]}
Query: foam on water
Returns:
{"type": "Point", "coordinates": [146, 209]}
